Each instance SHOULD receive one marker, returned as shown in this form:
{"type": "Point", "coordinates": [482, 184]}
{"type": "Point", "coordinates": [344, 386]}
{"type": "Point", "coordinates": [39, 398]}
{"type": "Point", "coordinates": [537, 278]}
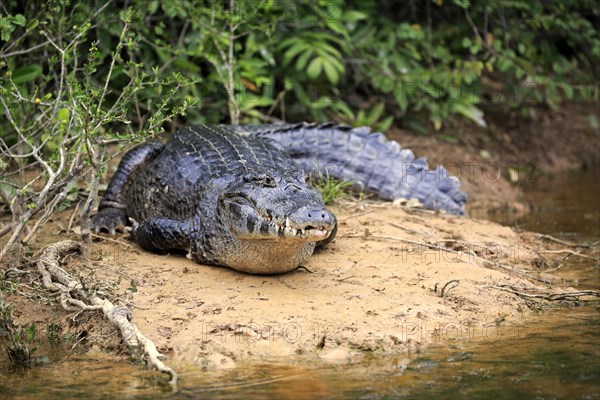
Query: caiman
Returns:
{"type": "Point", "coordinates": [239, 196]}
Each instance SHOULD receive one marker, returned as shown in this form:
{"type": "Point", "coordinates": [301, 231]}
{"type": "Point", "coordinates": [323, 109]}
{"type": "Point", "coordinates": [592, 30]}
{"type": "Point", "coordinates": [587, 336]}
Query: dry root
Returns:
{"type": "Point", "coordinates": [446, 288]}
{"type": "Point", "coordinates": [73, 297]}
{"type": "Point", "coordinates": [539, 295]}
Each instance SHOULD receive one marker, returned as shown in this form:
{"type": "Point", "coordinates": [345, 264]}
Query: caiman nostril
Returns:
{"type": "Point", "coordinates": [310, 215]}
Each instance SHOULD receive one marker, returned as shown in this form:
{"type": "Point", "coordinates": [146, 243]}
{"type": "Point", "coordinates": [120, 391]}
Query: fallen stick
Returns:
{"type": "Point", "coordinates": [74, 297]}
{"type": "Point", "coordinates": [547, 295]}
{"type": "Point", "coordinates": [571, 252]}
{"type": "Point", "coordinates": [565, 243]}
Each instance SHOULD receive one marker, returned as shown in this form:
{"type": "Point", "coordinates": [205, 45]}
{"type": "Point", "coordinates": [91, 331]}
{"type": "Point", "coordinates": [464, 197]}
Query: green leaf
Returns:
{"type": "Point", "coordinates": [19, 19]}
{"type": "Point", "coordinates": [314, 68]}
{"type": "Point", "coordinates": [353, 16]}
{"type": "Point", "coordinates": [64, 115]}
{"type": "Point", "coordinates": [384, 125]}
{"type": "Point", "coordinates": [184, 63]}
{"type": "Point", "coordinates": [462, 3]}
{"type": "Point", "coordinates": [32, 24]}
{"type": "Point", "coordinates": [331, 72]}
{"type": "Point", "coordinates": [293, 51]}
{"type": "Point", "coordinates": [153, 6]}
{"type": "Point", "coordinates": [336, 27]}
{"type": "Point", "coordinates": [26, 74]}
{"type": "Point", "coordinates": [342, 107]}
{"type": "Point", "coordinates": [448, 138]}
{"type": "Point", "coordinates": [375, 113]}
{"type": "Point", "coordinates": [471, 112]}
{"type": "Point", "coordinates": [303, 60]}
{"type": "Point", "coordinates": [415, 125]}
{"type": "Point", "coordinates": [568, 89]}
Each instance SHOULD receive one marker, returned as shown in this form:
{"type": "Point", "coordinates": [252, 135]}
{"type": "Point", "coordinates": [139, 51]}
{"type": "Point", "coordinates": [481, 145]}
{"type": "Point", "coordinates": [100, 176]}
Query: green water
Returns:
{"type": "Point", "coordinates": [556, 355]}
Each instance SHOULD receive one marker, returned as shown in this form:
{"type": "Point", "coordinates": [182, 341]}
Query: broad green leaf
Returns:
{"type": "Point", "coordinates": [353, 16]}
{"type": "Point", "coordinates": [375, 113]}
{"type": "Point", "coordinates": [294, 50]}
{"type": "Point", "coordinates": [448, 138]}
{"type": "Point", "coordinates": [471, 112]}
{"type": "Point", "coordinates": [331, 72]}
{"type": "Point", "coordinates": [63, 115]}
{"type": "Point", "coordinates": [568, 89]}
{"type": "Point", "coordinates": [462, 3]}
{"type": "Point", "coordinates": [303, 60]}
{"type": "Point", "coordinates": [335, 61]}
{"type": "Point", "coordinates": [384, 125]}
{"type": "Point", "coordinates": [314, 68]}
{"type": "Point", "coordinates": [184, 63]}
{"type": "Point", "coordinates": [19, 19]}
{"type": "Point", "coordinates": [33, 24]}
{"type": "Point", "coordinates": [153, 6]}
{"type": "Point", "coordinates": [336, 27]}
{"type": "Point", "coordinates": [415, 125]}
{"type": "Point", "coordinates": [26, 74]}
{"type": "Point", "coordinates": [344, 109]}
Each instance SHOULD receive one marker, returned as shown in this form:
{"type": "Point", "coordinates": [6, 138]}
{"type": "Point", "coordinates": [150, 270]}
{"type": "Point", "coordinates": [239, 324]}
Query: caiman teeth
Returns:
{"type": "Point", "coordinates": [291, 232]}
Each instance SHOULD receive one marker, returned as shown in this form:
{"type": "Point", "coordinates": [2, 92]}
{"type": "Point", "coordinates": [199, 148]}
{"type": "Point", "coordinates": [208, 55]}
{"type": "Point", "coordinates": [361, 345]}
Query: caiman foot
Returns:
{"type": "Point", "coordinates": [109, 220]}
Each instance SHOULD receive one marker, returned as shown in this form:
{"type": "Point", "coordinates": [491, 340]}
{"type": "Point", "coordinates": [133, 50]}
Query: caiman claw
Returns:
{"type": "Point", "coordinates": [109, 220]}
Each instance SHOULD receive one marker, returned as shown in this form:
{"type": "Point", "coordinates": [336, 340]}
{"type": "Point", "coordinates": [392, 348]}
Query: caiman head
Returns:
{"type": "Point", "coordinates": [273, 220]}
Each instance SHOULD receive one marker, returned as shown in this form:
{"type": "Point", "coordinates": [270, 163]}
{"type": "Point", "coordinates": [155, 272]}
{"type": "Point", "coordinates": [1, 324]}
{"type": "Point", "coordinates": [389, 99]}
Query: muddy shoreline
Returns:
{"type": "Point", "coordinates": [393, 281]}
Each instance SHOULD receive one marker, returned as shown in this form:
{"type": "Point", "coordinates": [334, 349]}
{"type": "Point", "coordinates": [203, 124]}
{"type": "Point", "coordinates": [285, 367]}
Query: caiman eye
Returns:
{"type": "Point", "coordinates": [265, 180]}
{"type": "Point", "coordinates": [239, 199]}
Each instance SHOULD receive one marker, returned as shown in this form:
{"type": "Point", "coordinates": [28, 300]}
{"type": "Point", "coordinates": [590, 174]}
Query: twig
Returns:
{"type": "Point", "coordinates": [6, 229]}
{"type": "Point", "coordinates": [446, 288]}
{"type": "Point", "coordinates": [70, 353]}
{"type": "Point", "coordinates": [73, 215]}
{"type": "Point", "coordinates": [111, 240]}
{"type": "Point", "coordinates": [356, 215]}
{"type": "Point", "coordinates": [564, 243]}
{"type": "Point", "coordinates": [549, 296]}
{"type": "Point", "coordinates": [404, 228]}
{"type": "Point", "coordinates": [570, 252]}
{"type": "Point", "coordinates": [15, 272]}
{"type": "Point", "coordinates": [24, 51]}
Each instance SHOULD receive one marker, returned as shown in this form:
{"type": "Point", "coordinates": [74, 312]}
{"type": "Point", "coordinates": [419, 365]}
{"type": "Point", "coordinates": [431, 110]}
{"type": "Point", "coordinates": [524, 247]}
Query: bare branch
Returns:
{"type": "Point", "coordinates": [24, 51]}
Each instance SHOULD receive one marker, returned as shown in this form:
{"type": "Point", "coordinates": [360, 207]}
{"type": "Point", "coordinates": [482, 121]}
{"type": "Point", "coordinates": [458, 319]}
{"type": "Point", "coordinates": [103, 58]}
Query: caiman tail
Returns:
{"type": "Point", "coordinates": [368, 159]}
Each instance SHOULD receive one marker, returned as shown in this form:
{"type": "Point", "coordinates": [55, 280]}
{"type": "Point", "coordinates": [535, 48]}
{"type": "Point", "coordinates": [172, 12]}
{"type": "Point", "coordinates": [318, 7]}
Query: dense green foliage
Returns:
{"type": "Point", "coordinates": [78, 75]}
{"type": "Point", "coordinates": [309, 59]}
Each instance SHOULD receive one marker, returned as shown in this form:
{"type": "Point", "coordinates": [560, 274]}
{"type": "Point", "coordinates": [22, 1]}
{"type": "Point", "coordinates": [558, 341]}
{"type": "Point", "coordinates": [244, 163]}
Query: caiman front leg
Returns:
{"type": "Point", "coordinates": [156, 234]}
{"type": "Point", "coordinates": [112, 211]}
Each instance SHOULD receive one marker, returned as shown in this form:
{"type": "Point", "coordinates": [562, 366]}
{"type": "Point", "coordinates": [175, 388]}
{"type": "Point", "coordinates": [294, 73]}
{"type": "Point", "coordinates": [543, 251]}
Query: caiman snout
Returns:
{"type": "Point", "coordinates": [312, 218]}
